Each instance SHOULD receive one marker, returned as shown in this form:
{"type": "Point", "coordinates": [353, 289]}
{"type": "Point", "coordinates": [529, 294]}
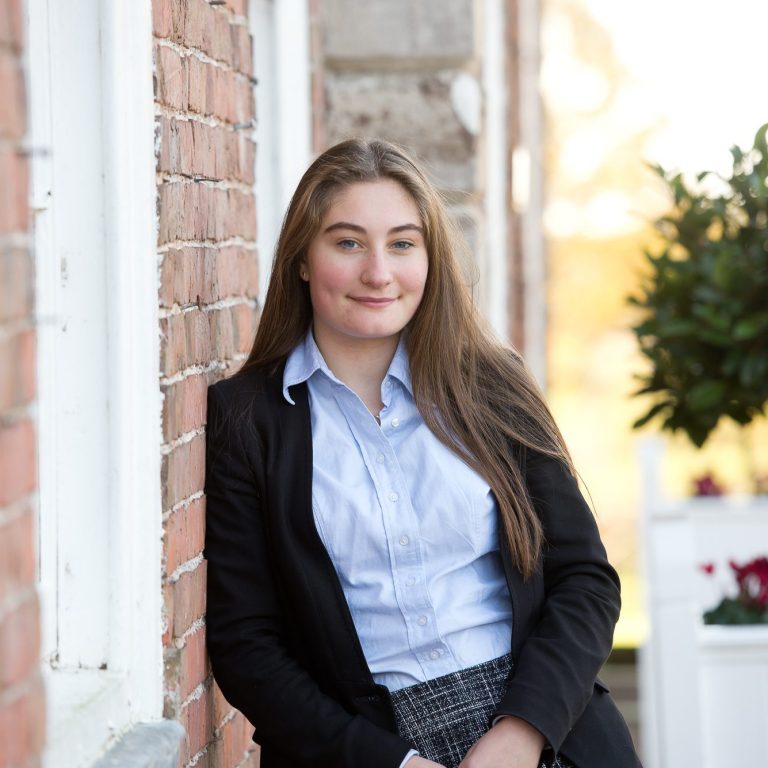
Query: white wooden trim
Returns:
{"type": "Point", "coordinates": [135, 430]}
{"type": "Point", "coordinates": [495, 157]}
{"type": "Point", "coordinates": [283, 135]}
{"type": "Point", "coordinates": [94, 197]}
{"type": "Point", "coordinates": [531, 133]}
{"type": "Point", "coordinates": [38, 78]}
{"type": "Point", "coordinates": [293, 86]}
{"type": "Point", "coordinates": [262, 22]}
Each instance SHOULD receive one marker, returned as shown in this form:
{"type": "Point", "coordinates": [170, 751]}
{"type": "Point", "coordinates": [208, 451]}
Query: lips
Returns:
{"type": "Point", "coordinates": [373, 301]}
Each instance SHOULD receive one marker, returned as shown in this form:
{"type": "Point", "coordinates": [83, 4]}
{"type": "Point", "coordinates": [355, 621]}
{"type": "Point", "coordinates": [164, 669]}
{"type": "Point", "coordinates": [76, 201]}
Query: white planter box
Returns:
{"type": "Point", "coordinates": [687, 685]}
{"type": "Point", "coordinates": [734, 695]}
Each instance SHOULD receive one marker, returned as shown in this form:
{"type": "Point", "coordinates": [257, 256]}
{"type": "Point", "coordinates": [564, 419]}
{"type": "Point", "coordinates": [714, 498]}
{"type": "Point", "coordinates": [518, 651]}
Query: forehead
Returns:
{"type": "Point", "coordinates": [379, 200]}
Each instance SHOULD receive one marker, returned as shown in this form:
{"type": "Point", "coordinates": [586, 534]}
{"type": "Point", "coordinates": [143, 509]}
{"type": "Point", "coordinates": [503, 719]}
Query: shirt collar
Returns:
{"type": "Point", "coordinates": [305, 360]}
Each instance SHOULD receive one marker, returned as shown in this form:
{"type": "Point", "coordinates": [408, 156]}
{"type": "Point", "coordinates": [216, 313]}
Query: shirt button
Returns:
{"type": "Point", "coordinates": [387, 384]}
{"type": "Point", "coordinates": [393, 496]}
{"type": "Point", "coordinates": [404, 540]}
{"type": "Point", "coordinates": [380, 457]}
{"type": "Point", "coordinates": [434, 654]}
{"type": "Point", "coordinates": [421, 621]}
{"type": "Point", "coordinates": [395, 422]}
{"type": "Point", "coordinates": [410, 581]}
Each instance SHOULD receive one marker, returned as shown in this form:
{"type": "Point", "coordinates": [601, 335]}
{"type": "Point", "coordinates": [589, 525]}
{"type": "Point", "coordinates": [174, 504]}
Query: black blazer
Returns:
{"type": "Point", "coordinates": [282, 643]}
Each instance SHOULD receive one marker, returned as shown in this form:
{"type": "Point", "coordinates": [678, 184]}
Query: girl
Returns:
{"type": "Point", "coordinates": [401, 568]}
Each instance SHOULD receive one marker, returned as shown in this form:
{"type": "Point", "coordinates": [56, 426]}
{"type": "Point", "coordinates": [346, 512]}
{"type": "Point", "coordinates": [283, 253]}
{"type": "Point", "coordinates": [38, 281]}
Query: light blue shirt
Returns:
{"type": "Point", "coordinates": [411, 529]}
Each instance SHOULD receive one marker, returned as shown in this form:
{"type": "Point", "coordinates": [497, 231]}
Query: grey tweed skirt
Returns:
{"type": "Point", "coordinates": [445, 716]}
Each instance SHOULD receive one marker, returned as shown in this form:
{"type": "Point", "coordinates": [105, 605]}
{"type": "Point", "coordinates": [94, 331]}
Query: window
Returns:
{"type": "Point", "coordinates": [93, 199]}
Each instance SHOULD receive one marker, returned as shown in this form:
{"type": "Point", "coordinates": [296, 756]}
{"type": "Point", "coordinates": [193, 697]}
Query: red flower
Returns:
{"type": "Point", "coordinates": [708, 568]}
{"type": "Point", "coordinates": [752, 579]}
{"type": "Point", "coordinates": [706, 485]}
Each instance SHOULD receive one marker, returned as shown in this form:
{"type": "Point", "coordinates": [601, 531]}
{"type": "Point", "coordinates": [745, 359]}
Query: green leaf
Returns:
{"type": "Point", "coordinates": [705, 395]}
{"type": "Point", "coordinates": [643, 420]}
{"type": "Point", "coordinates": [747, 329]}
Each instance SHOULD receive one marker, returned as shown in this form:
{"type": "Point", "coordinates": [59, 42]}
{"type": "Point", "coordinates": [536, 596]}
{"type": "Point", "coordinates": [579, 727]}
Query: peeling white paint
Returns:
{"type": "Point", "coordinates": [467, 102]}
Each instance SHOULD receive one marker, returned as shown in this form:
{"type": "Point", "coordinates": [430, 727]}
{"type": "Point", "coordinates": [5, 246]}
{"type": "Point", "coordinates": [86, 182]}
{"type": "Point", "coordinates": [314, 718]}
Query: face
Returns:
{"type": "Point", "coordinates": [367, 264]}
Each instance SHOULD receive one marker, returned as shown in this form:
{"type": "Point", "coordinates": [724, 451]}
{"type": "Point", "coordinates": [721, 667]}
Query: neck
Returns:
{"type": "Point", "coordinates": [360, 363]}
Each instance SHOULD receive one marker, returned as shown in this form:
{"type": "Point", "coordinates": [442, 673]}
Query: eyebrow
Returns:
{"type": "Point", "coordinates": [358, 228]}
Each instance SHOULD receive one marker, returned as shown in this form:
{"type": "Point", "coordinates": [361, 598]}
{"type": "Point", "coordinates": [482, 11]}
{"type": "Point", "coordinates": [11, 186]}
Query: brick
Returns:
{"type": "Point", "coordinates": [16, 14]}
{"type": "Point", "coordinates": [14, 203]}
{"type": "Point", "coordinates": [183, 471]}
{"type": "Point", "coordinates": [184, 406]}
{"type": "Point", "coordinates": [18, 567]}
{"type": "Point", "coordinates": [12, 105]}
{"type": "Point", "coordinates": [6, 30]}
{"type": "Point", "coordinates": [222, 709]}
{"type": "Point", "coordinates": [22, 725]}
{"type": "Point", "coordinates": [246, 165]}
{"type": "Point", "coordinates": [18, 466]}
{"type": "Point", "coordinates": [194, 667]}
{"type": "Point", "coordinates": [233, 741]}
{"type": "Point", "coordinates": [185, 600]}
{"type": "Point", "coordinates": [237, 273]}
{"type": "Point", "coordinates": [218, 40]}
{"type": "Point", "coordinates": [20, 641]}
{"type": "Point", "coordinates": [222, 333]}
{"type": "Point", "coordinates": [184, 534]}
{"type": "Point", "coordinates": [217, 92]}
{"type": "Point", "coordinates": [194, 149]}
{"type": "Point", "coordinates": [178, 10]}
{"type": "Point", "coordinates": [242, 47]}
{"type": "Point", "coordinates": [16, 284]}
{"type": "Point", "coordinates": [198, 337]}
{"type": "Point", "coordinates": [172, 82]}
{"type": "Point", "coordinates": [162, 18]}
{"type": "Point", "coordinates": [185, 341]}
{"type": "Point", "coordinates": [238, 7]}
{"type": "Point", "coordinates": [399, 29]}
{"type": "Point", "coordinates": [244, 106]}
{"type": "Point", "coordinates": [254, 758]}
{"type": "Point", "coordinates": [173, 344]}
{"type": "Point", "coordinates": [197, 19]}
{"type": "Point", "coordinates": [245, 319]}
{"type": "Point", "coordinates": [17, 370]}
{"type": "Point", "coordinates": [183, 277]}
{"type": "Point", "coordinates": [196, 211]}
{"type": "Point", "coordinates": [220, 93]}
{"type": "Point", "coordinates": [197, 721]}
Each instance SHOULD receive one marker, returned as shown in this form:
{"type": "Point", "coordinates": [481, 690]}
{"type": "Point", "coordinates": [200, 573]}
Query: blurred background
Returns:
{"type": "Point", "coordinates": [147, 153]}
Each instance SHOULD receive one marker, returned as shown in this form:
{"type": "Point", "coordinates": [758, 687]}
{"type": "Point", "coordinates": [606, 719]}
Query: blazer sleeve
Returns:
{"type": "Point", "coordinates": [554, 674]}
{"type": "Point", "coordinates": [250, 662]}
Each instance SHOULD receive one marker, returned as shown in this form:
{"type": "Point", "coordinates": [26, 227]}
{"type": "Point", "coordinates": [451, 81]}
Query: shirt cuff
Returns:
{"type": "Point", "coordinates": [412, 753]}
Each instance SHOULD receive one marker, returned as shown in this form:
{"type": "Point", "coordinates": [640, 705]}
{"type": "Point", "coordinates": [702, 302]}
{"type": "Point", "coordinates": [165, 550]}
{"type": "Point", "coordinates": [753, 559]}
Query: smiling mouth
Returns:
{"type": "Point", "coordinates": [373, 301]}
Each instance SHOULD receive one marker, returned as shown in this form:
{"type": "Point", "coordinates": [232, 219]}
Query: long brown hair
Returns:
{"type": "Point", "coordinates": [473, 392]}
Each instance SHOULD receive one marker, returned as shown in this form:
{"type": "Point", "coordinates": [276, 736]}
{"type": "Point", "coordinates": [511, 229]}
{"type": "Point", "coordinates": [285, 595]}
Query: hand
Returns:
{"type": "Point", "coordinates": [422, 762]}
{"type": "Point", "coordinates": [511, 743]}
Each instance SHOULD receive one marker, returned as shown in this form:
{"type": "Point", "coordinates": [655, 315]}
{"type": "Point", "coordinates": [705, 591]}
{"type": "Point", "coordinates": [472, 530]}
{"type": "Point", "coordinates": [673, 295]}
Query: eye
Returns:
{"type": "Point", "coordinates": [402, 245]}
{"type": "Point", "coordinates": [347, 243]}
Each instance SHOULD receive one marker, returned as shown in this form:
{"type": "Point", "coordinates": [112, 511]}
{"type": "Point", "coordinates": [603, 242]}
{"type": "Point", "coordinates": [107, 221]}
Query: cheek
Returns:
{"type": "Point", "coordinates": [328, 277]}
{"type": "Point", "coordinates": [416, 279]}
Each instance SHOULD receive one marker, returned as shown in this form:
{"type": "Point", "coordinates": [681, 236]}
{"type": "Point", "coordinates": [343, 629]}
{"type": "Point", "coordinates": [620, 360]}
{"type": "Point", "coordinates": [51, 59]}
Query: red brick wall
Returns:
{"type": "Point", "coordinates": [208, 289]}
{"type": "Point", "coordinates": [22, 709]}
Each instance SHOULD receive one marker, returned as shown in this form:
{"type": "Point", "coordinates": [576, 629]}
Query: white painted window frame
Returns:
{"type": "Point", "coordinates": [283, 135]}
{"type": "Point", "coordinates": [494, 76]}
{"type": "Point", "coordinates": [529, 189]}
{"type": "Point", "coordinates": [94, 197]}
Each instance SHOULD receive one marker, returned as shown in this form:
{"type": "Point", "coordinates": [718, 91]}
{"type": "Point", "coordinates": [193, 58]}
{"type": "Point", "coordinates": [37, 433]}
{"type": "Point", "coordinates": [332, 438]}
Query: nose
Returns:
{"type": "Point", "coordinates": [376, 271]}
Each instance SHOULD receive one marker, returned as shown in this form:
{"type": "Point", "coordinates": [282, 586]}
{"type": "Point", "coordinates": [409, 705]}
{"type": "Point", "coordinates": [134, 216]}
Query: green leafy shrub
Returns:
{"type": "Point", "coordinates": [704, 320]}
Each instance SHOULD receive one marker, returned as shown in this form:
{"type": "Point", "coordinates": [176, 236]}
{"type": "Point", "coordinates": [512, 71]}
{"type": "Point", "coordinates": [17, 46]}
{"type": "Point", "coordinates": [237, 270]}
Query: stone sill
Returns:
{"type": "Point", "coordinates": [146, 745]}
